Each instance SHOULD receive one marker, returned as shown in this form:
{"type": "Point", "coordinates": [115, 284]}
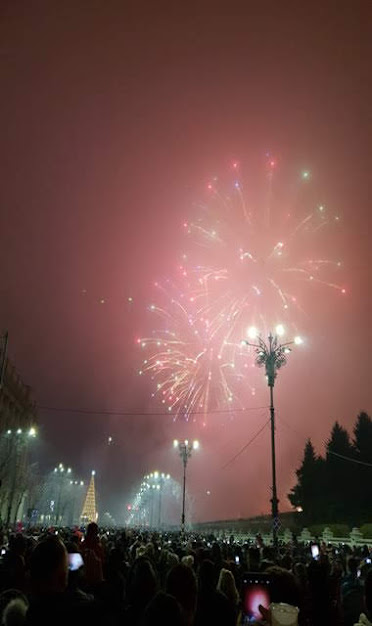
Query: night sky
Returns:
{"type": "Point", "coordinates": [114, 116]}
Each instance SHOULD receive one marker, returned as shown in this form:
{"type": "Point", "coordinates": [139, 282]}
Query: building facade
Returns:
{"type": "Point", "coordinates": [18, 422]}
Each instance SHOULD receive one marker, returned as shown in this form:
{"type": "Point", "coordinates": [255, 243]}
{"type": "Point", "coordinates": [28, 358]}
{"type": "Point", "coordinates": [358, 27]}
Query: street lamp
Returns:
{"type": "Point", "coordinates": [144, 502]}
{"type": "Point", "coordinates": [162, 479]}
{"type": "Point", "coordinates": [154, 484]}
{"type": "Point", "coordinates": [3, 360]}
{"type": "Point", "coordinates": [159, 479]}
{"type": "Point", "coordinates": [185, 449]}
{"type": "Point", "coordinates": [62, 483]}
{"type": "Point", "coordinates": [272, 356]}
{"type": "Point", "coordinates": [17, 448]}
{"type": "Point", "coordinates": [76, 493]}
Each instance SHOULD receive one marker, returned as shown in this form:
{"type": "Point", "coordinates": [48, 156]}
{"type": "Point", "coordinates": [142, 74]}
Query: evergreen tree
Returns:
{"type": "Point", "coordinates": [362, 473]}
{"type": "Point", "coordinates": [307, 492]}
{"type": "Point", "coordinates": [340, 475]}
{"type": "Point", "coordinates": [363, 437]}
{"type": "Point", "coordinates": [339, 487]}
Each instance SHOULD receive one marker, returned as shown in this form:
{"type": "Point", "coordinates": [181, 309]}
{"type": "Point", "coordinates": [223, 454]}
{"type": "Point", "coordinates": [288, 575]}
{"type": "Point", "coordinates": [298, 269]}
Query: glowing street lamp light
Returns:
{"type": "Point", "coordinates": [63, 472]}
{"type": "Point", "coordinates": [155, 484]}
{"type": "Point", "coordinates": [17, 449]}
{"type": "Point", "coordinates": [185, 449]}
{"type": "Point", "coordinates": [162, 479]}
{"type": "Point", "coordinates": [272, 356]}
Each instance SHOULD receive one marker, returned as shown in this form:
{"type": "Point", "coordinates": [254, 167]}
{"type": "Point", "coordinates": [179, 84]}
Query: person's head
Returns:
{"type": "Point", "coordinates": [181, 583]}
{"type": "Point", "coordinates": [13, 608]}
{"type": "Point", "coordinates": [216, 552]}
{"type": "Point", "coordinates": [150, 551]}
{"type": "Point", "coordinates": [283, 586]}
{"type": "Point", "coordinates": [76, 540]}
{"type": "Point", "coordinates": [299, 570]}
{"type": "Point", "coordinates": [207, 576]}
{"type": "Point", "coordinates": [115, 559]}
{"type": "Point", "coordinates": [368, 593]}
{"type": "Point", "coordinates": [92, 530]}
{"type": "Point", "coordinates": [352, 565]}
{"type": "Point", "coordinates": [142, 582]}
{"type": "Point", "coordinates": [226, 584]}
{"type": "Point", "coordinates": [17, 544]}
{"type": "Point", "coordinates": [171, 559]}
{"type": "Point", "coordinates": [337, 568]}
{"type": "Point", "coordinates": [163, 609]}
{"type": "Point", "coordinates": [188, 560]}
{"type": "Point", "coordinates": [49, 566]}
{"type": "Point", "coordinates": [254, 558]}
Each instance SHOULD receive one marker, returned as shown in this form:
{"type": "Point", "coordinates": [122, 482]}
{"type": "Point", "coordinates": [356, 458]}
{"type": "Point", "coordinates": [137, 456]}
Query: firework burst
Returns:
{"type": "Point", "coordinates": [256, 262]}
{"type": "Point", "coordinates": [194, 365]}
{"type": "Point", "coordinates": [250, 263]}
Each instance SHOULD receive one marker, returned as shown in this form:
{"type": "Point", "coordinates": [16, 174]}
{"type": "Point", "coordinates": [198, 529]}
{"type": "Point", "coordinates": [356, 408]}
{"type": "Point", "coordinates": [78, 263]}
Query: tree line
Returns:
{"type": "Point", "coordinates": [337, 487]}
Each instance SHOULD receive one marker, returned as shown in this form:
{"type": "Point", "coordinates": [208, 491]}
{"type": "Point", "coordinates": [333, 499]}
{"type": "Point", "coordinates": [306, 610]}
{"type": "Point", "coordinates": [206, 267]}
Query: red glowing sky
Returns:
{"type": "Point", "coordinates": [114, 116]}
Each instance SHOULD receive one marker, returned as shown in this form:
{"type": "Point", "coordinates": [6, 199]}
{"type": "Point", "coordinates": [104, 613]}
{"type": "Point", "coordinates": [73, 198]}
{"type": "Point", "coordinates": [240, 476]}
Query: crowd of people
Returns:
{"type": "Point", "coordinates": [133, 577]}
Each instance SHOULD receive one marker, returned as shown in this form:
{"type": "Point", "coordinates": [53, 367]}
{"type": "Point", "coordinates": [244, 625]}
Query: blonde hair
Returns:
{"type": "Point", "coordinates": [226, 584]}
{"type": "Point", "coordinates": [15, 612]}
{"type": "Point", "coordinates": [188, 560]}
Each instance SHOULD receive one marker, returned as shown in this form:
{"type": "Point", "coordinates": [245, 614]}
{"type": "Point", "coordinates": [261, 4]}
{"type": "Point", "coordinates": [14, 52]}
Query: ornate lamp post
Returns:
{"type": "Point", "coordinates": [61, 472]}
{"type": "Point", "coordinates": [185, 449]}
{"type": "Point", "coordinates": [162, 479]}
{"type": "Point", "coordinates": [74, 489]}
{"type": "Point", "coordinates": [150, 493]}
{"type": "Point", "coordinates": [17, 449]}
{"type": "Point", "coordinates": [272, 356]}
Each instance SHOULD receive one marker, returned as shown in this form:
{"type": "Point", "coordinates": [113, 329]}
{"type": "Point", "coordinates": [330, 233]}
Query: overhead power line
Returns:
{"type": "Point", "coordinates": [348, 458]}
{"type": "Point", "coordinates": [340, 456]}
{"type": "Point", "coordinates": [247, 444]}
{"type": "Point", "coordinates": [143, 413]}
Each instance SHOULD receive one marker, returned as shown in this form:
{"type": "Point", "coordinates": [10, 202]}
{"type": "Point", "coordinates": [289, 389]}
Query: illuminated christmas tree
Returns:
{"type": "Point", "coordinates": [89, 513]}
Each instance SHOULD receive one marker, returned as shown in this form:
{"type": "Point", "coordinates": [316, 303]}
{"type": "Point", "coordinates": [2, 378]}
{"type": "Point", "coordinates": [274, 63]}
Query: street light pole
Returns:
{"type": "Point", "coordinates": [162, 479]}
{"type": "Point", "coordinates": [18, 444]}
{"type": "Point", "coordinates": [159, 510]}
{"type": "Point", "coordinates": [185, 449]}
{"type": "Point", "coordinates": [4, 352]}
{"type": "Point", "coordinates": [272, 356]}
{"type": "Point", "coordinates": [184, 460]}
{"type": "Point", "coordinates": [274, 499]}
{"type": "Point", "coordinates": [60, 471]}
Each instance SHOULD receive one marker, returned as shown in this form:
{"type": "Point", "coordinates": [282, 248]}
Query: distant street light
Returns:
{"type": "Point", "coordinates": [76, 495]}
{"type": "Point", "coordinates": [17, 449]}
{"type": "Point", "coordinates": [142, 509]}
{"type": "Point", "coordinates": [62, 481]}
{"type": "Point", "coordinates": [272, 356]}
{"type": "Point", "coordinates": [160, 480]}
{"type": "Point", "coordinates": [185, 449]}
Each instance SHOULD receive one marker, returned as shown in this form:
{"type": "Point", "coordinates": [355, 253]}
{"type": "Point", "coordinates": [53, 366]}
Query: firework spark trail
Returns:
{"type": "Point", "coordinates": [255, 261]}
{"type": "Point", "coordinates": [191, 361]}
{"type": "Point", "coordinates": [246, 268]}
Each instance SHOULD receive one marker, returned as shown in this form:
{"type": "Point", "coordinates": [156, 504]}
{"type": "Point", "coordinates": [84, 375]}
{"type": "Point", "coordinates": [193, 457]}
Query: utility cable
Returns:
{"type": "Point", "coordinates": [144, 414]}
{"type": "Point", "coordinates": [348, 458]}
{"type": "Point", "coordinates": [247, 444]}
{"type": "Point", "coordinates": [340, 456]}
